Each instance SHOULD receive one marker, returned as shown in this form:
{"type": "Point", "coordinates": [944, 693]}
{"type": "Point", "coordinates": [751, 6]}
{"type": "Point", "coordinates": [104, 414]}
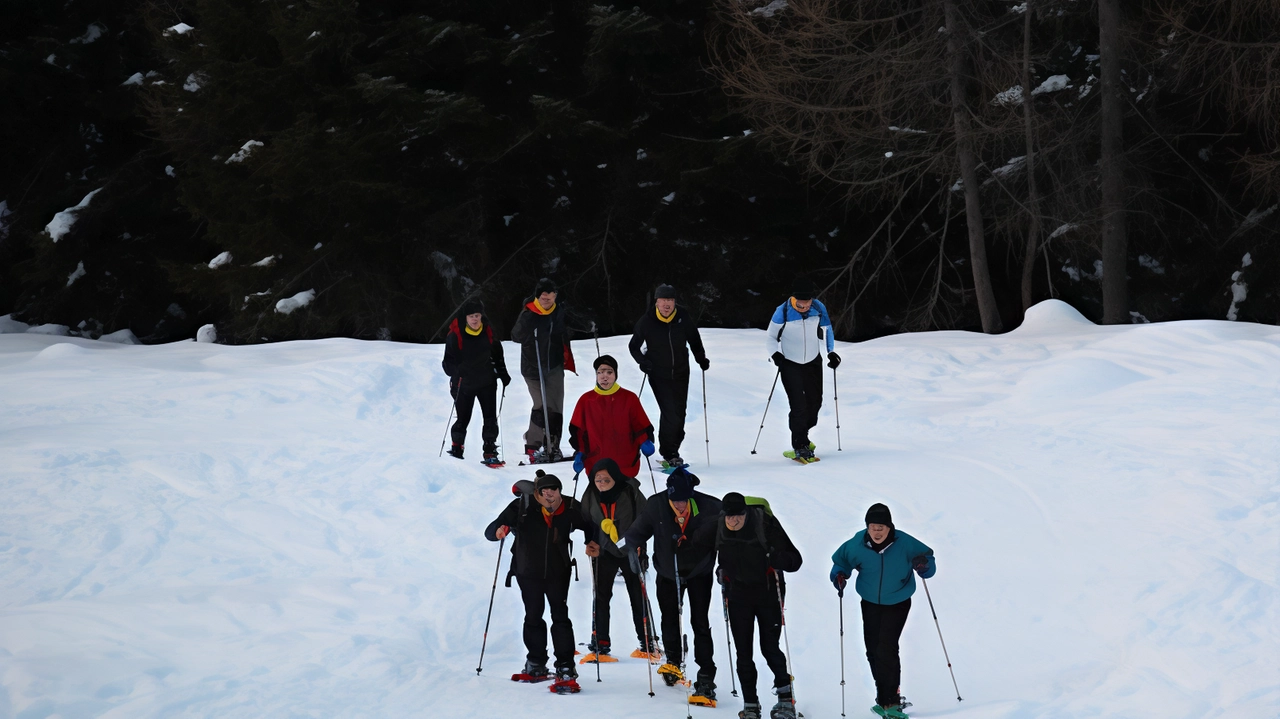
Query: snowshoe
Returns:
{"type": "Point", "coordinates": [532, 674]}
{"type": "Point", "coordinates": [566, 680]}
{"type": "Point", "coordinates": [455, 451]}
{"type": "Point", "coordinates": [704, 694]}
{"type": "Point", "coordinates": [541, 456]}
{"type": "Point", "coordinates": [750, 710]}
{"type": "Point", "coordinates": [654, 657]}
{"type": "Point", "coordinates": [491, 460]}
{"type": "Point", "coordinates": [803, 456]}
{"type": "Point", "coordinates": [672, 464]}
{"type": "Point", "coordinates": [598, 656]}
{"type": "Point", "coordinates": [893, 711]}
{"type": "Point", "coordinates": [671, 674]}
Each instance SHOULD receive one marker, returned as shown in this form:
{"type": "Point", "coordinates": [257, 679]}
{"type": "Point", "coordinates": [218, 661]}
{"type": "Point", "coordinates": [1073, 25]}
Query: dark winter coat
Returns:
{"type": "Point", "coordinates": [541, 547]}
{"type": "Point", "coordinates": [610, 426]}
{"type": "Point", "coordinates": [627, 502]}
{"type": "Point", "coordinates": [473, 360]}
{"type": "Point", "coordinates": [553, 339]}
{"type": "Point", "coordinates": [696, 552]}
{"type": "Point", "coordinates": [665, 343]}
{"type": "Point", "coordinates": [884, 574]}
{"type": "Point", "coordinates": [751, 556]}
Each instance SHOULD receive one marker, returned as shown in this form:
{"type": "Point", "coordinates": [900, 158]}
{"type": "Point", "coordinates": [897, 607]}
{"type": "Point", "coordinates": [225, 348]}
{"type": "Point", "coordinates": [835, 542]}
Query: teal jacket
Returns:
{"type": "Point", "coordinates": [884, 577]}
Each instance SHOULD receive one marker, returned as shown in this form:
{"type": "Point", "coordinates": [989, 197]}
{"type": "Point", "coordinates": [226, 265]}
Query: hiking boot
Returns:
{"type": "Point", "coordinates": [786, 707]}
{"type": "Point", "coordinates": [750, 710]}
{"type": "Point", "coordinates": [555, 455]}
{"type": "Point", "coordinates": [536, 669]}
{"type": "Point", "coordinates": [531, 455]}
{"type": "Point", "coordinates": [670, 674]}
{"type": "Point", "coordinates": [455, 451]}
{"type": "Point", "coordinates": [804, 453]}
{"type": "Point", "coordinates": [706, 689]}
{"type": "Point", "coordinates": [566, 672]}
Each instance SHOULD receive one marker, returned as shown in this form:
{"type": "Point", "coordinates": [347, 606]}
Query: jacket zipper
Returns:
{"type": "Point", "coordinates": [880, 590]}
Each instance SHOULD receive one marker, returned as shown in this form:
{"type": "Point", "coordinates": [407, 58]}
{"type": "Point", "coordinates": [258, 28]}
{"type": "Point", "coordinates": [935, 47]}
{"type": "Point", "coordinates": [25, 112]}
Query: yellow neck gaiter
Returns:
{"type": "Point", "coordinates": [606, 392]}
{"type": "Point", "coordinates": [474, 332]}
{"type": "Point", "coordinates": [668, 318]}
{"type": "Point", "coordinates": [537, 306]}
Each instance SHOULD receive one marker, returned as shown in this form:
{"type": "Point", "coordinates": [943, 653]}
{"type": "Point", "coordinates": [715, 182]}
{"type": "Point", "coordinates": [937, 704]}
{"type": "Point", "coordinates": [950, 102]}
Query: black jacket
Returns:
{"type": "Point", "coordinates": [666, 355]}
{"type": "Point", "coordinates": [626, 505]}
{"type": "Point", "coordinates": [473, 360]}
{"type": "Point", "coordinates": [553, 340]}
{"type": "Point", "coordinates": [755, 554]}
{"type": "Point", "coordinates": [540, 549]}
{"type": "Point", "coordinates": [697, 552]}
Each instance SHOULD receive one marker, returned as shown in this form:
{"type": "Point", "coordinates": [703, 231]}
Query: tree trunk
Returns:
{"type": "Point", "coordinates": [969, 174]}
{"type": "Point", "coordinates": [1115, 250]}
{"type": "Point", "coordinates": [1033, 193]}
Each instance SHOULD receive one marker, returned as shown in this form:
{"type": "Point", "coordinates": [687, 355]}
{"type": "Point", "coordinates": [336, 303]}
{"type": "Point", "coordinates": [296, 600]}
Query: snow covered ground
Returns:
{"type": "Point", "coordinates": [194, 530]}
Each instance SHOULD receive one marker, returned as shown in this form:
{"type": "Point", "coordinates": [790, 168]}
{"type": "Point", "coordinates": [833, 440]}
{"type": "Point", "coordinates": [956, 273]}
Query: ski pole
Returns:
{"type": "Point", "coordinates": [542, 388]}
{"type": "Point", "coordinates": [452, 406]}
{"type": "Point", "coordinates": [501, 402]}
{"type": "Point", "coordinates": [642, 381]}
{"type": "Point", "coordinates": [836, 386]}
{"type": "Point", "coordinates": [944, 644]}
{"type": "Point", "coordinates": [575, 484]}
{"type": "Point", "coordinates": [595, 607]}
{"type": "Point", "coordinates": [489, 616]}
{"type": "Point", "coordinates": [733, 682]}
{"type": "Point", "coordinates": [766, 409]}
{"type": "Point", "coordinates": [596, 336]}
{"type": "Point", "coordinates": [842, 652]}
{"type": "Point", "coordinates": [706, 433]}
{"type": "Point", "coordinates": [652, 481]}
{"type": "Point", "coordinates": [684, 638]}
{"type": "Point", "coordinates": [782, 612]}
{"type": "Point", "coordinates": [648, 631]}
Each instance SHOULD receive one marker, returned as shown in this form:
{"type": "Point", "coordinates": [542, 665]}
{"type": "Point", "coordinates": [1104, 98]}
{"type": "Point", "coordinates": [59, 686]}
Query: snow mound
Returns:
{"type": "Point", "coordinates": [180, 29]}
{"type": "Point", "coordinates": [1052, 315]}
{"type": "Point", "coordinates": [207, 333]}
{"type": "Point", "coordinates": [223, 258]}
{"type": "Point", "coordinates": [50, 329]}
{"type": "Point", "coordinates": [1075, 378]}
{"type": "Point", "coordinates": [121, 337]}
{"type": "Point", "coordinates": [58, 351]}
{"type": "Point", "coordinates": [8, 325]}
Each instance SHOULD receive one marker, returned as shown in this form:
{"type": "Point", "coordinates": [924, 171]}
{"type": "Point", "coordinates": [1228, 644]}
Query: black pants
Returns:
{"type": "Point", "coordinates": [673, 400]}
{"type": "Point", "coordinates": [463, 402]}
{"type": "Point", "coordinates": [537, 593]}
{"type": "Point", "coordinates": [747, 607]}
{"type": "Point", "coordinates": [698, 590]}
{"type": "Point", "coordinates": [881, 627]}
{"type": "Point", "coordinates": [803, 383]}
{"type": "Point", "coordinates": [607, 567]}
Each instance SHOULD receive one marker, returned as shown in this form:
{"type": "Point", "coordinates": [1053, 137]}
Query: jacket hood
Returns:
{"type": "Point", "coordinates": [614, 471]}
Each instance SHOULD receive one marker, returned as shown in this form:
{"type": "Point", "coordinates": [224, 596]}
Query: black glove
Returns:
{"type": "Point", "coordinates": [720, 578]}
{"type": "Point", "coordinates": [920, 564]}
{"type": "Point", "coordinates": [833, 360]}
{"type": "Point", "coordinates": [646, 366]}
{"type": "Point", "coordinates": [705, 364]}
{"type": "Point", "coordinates": [639, 562]}
{"type": "Point", "coordinates": [777, 358]}
{"type": "Point", "coordinates": [506, 378]}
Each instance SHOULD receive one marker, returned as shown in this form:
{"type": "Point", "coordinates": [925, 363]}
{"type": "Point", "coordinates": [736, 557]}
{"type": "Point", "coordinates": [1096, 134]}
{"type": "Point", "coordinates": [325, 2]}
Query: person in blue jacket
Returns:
{"type": "Point", "coordinates": [884, 558]}
{"type": "Point", "coordinates": [799, 332]}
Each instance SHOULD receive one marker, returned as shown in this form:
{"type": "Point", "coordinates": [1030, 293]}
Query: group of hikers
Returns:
{"type": "Point", "coordinates": [697, 539]}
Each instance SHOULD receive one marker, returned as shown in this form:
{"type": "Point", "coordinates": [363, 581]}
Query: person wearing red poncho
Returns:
{"type": "Point", "coordinates": [609, 422]}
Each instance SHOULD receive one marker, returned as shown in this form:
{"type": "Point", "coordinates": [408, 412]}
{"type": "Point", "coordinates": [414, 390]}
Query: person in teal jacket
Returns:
{"type": "Point", "coordinates": [885, 559]}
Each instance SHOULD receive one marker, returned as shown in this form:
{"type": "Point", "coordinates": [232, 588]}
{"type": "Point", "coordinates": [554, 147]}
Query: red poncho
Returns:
{"type": "Point", "coordinates": [611, 425]}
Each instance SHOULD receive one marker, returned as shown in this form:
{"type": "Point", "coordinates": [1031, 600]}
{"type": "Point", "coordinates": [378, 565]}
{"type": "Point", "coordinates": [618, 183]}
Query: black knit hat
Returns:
{"type": "Point", "coordinates": [680, 484]}
{"type": "Point", "coordinates": [610, 466]}
{"type": "Point", "coordinates": [664, 292]}
{"type": "Point", "coordinates": [733, 504]}
{"type": "Point", "coordinates": [879, 514]}
{"type": "Point", "coordinates": [545, 284]}
{"type": "Point", "coordinates": [471, 307]}
{"type": "Point", "coordinates": [547, 481]}
{"type": "Point", "coordinates": [804, 289]}
{"type": "Point", "coordinates": [605, 359]}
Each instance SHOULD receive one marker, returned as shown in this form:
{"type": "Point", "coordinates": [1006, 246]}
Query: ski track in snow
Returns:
{"type": "Point", "coordinates": [197, 530]}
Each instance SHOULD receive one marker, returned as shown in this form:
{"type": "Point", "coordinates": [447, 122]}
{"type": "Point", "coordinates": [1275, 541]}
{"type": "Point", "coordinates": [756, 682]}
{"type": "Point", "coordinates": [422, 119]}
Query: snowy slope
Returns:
{"type": "Point", "coordinates": [195, 530]}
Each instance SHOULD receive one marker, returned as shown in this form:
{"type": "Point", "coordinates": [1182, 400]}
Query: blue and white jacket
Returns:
{"type": "Point", "coordinates": [799, 336]}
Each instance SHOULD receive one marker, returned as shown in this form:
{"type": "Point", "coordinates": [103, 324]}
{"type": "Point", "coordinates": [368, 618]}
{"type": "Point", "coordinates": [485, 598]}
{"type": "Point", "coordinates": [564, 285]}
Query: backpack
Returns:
{"type": "Point", "coordinates": [524, 489]}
